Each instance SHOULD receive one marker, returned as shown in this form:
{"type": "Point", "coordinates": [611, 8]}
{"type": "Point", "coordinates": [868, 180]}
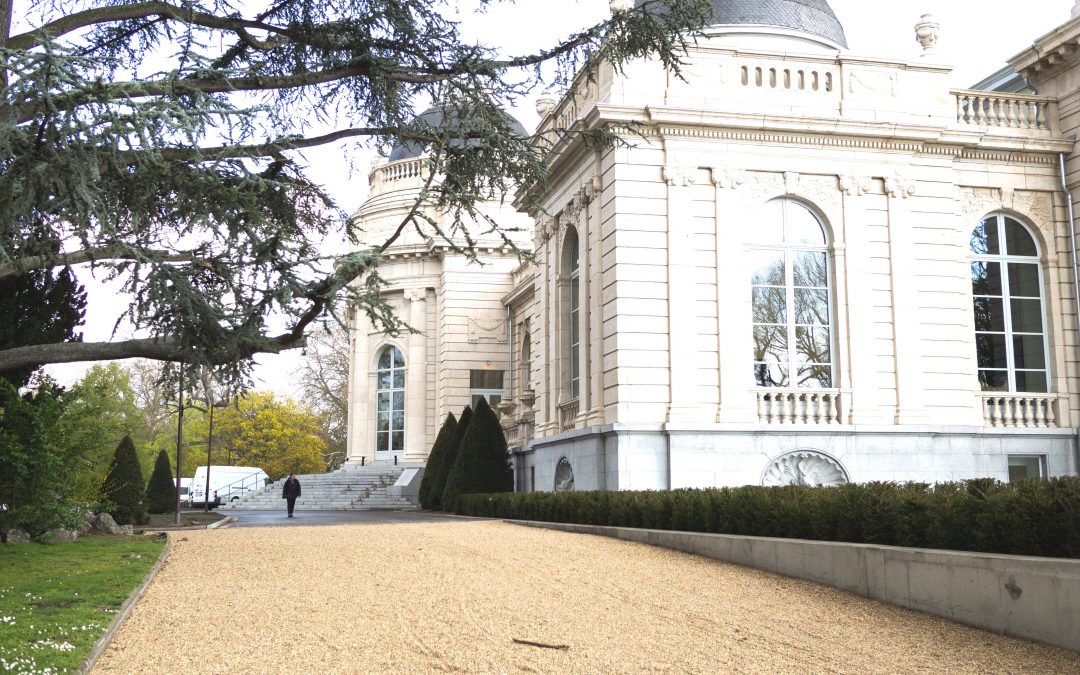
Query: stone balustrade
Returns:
{"type": "Point", "coordinates": [798, 406]}
{"type": "Point", "coordinates": [798, 77]}
{"type": "Point", "coordinates": [513, 434]}
{"type": "Point", "coordinates": [405, 170]}
{"type": "Point", "coordinates": [568, 412]}
{"type": "Point", "coordinates": [1025, 411]}
{"type": "Point", "coordinates": [1015, 111]}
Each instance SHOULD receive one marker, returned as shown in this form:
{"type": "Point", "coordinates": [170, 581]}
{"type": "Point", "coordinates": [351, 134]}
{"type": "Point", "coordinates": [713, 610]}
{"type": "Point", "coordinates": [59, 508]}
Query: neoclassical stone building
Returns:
{"type": "Point", "coordinates": [814, 267]}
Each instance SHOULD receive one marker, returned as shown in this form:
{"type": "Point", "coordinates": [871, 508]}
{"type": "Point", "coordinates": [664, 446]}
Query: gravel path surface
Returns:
{"type": "Point", "coordinates": [454, 596]}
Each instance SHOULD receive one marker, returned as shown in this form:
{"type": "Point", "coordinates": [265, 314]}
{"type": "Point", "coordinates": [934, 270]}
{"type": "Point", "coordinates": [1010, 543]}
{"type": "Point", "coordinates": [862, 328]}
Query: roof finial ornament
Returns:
{"type": "Point", "coordinates": [620, 5]}
{"type": "Point", "coordinates": [1076, 9]}
{"type": "Point", "coordinates": [926, 32]}
{"type": "Point", "coordinates": [545, 103]}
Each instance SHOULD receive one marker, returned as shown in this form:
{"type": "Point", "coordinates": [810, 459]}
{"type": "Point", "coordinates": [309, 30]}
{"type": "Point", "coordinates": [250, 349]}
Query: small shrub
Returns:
{"type": "Point", "coordinates": [123, 487]}
{"type": "Point", "coordinates": [161, 490]}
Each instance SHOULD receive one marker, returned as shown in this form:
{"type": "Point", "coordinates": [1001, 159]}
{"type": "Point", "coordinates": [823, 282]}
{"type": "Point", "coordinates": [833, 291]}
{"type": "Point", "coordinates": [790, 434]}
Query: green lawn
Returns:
{"type": "Point", "coordinates": [56, 600]}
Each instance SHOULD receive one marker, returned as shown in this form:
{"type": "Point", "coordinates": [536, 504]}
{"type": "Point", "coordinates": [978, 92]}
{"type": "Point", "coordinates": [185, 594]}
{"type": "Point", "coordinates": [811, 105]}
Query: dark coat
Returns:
{"type": "Point", "coordinates": [291, 489]}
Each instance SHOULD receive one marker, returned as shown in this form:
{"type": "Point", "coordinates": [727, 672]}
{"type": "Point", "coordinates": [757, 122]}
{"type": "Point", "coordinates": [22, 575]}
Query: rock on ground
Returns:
{"type": "Point", "coordinates": [17, 535]}
{"type": "Point", "coordinates": [61, 535]}
{"type": "Point", "coordinates": [459, 596]}
{"type": "Point", "coordinates": [105, 524]}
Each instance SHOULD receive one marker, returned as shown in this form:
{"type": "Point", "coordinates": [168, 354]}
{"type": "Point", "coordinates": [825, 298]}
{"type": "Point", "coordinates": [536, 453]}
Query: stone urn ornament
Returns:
{"type": "Point", "coordinates": [926, 32]}
{"type": "Point", "coordinates": [545, 103]}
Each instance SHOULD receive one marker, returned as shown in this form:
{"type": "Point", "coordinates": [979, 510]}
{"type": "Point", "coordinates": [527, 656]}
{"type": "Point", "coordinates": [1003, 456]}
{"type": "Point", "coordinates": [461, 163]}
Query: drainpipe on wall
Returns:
{"type": "Point", "coordinates": [1072, 244]}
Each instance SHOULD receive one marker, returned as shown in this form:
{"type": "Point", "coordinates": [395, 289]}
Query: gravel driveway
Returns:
{"type": "Point", "coordinates": [455, 596]}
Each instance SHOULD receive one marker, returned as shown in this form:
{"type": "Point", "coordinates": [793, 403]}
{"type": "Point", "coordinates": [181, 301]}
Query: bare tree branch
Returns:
{"type": "Point", "coordinates": [22, 265]}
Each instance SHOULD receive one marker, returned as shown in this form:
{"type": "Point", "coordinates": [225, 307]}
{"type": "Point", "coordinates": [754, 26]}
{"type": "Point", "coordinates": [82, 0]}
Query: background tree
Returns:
{"type": "Point", "coordinates": [448, 485]}
{"type": "Point", "coordinates": [100, 412]}
{"type": "Point", "coordinates": [39, 307]}
{"type": "Point", "coordinates": [435, 460]}
{"type": "Point", "coordinates": [123, 487]}
{"type": "Point", "coordinates": [161, 489]}
{"type": "Point", "coordinates": [482, 464]}
{"type": "Point", "coordinates": [152, 399]}
{"type": "Point", "coordinates": [278, 435]}
{"type": "Point", "coordinates": [158, 143]}
{"type": "Point", "coordinates": [323, 377]}
{"type": "Point", "coordinates": [35, 462]}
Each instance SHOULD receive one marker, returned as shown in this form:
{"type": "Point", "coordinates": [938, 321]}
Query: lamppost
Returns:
{"type": "Point", "coordinates": [179, 444]}
{"type": "Point", "coordinates": [209, 446]}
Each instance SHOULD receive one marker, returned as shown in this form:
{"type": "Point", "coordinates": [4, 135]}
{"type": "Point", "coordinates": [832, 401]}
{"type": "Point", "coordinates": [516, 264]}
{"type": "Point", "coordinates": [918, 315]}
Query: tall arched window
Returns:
{"type": "Point", "coordinates": [1007, 293]}
{"type": "Point", "coordinates": [390, 401]}
{"type": "Point", "coordinates": [792, 315]}
{"type": "Point", "coordinates": [572, 269]}
{"type": "Point", "coordinates": [526, 362]}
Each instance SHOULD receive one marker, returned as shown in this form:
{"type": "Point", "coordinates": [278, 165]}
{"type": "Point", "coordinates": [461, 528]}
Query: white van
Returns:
{"type": "Point", "coordinates": [227, 483]}
{"type": "Point", "coordinates": [185, 492]}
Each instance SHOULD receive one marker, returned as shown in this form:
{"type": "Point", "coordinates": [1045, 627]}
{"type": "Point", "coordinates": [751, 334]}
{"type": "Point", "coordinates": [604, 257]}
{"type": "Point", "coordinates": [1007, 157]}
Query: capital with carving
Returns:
{"type": "Point", "coordinates": [898, 186]}
{"type": "Point", "coordinates": [855, 185]}
{"type": "Point", "coordinates": [678, 175]}
{"type": "Point", "coordinates": [723, 177]}
{"type": "Point", "coordinates": [416, 294]}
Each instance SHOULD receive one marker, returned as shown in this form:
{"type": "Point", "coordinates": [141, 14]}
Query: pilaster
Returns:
{"type": "Point", "coordinates": [416, 386]}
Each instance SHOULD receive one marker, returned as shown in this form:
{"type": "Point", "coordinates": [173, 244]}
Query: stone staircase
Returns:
{"type": "Point", "coordinates": [350, 488]}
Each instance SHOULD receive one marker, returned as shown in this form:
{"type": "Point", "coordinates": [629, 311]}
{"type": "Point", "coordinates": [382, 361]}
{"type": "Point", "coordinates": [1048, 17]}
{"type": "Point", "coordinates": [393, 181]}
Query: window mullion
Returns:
{"type": "Point", "coordinates": [789, 293]}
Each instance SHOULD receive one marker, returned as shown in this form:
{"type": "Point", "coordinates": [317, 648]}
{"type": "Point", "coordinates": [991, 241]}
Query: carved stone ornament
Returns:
{"type": "Point", "coordinates": [487, 330]}
{"type": "Point", "coordinates": [679, 175]}
{"type": "Point", "coordinates": [978, 201]}
{"type": "Point", "coordinates": [926, 33]}
{"type": "Point", "coordinates": [571, 210]}
{"type": "Point", "coordinates": [564, 476]}
{"type": "Point", "coordinates": [804, 467]}
{"type": "Point", "coordinates": [416, 294]}
{"type": "Point", "coordinates": [856, 186]}
{"type": "Point", "coordinates": [791, 182]}
{"type": "Point", "coordinates": [898, 186]}
{"type": "Point", "coordinates": [820, 190]}
{"type": "Point", "coordinates": [723, 177]}
{"type": "Point", "coordinates": [545, 103]}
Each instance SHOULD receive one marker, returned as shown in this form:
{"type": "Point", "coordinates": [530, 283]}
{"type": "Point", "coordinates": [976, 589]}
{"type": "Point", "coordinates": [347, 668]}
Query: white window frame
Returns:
{"type": "Point", "coordinates": [391, 429]}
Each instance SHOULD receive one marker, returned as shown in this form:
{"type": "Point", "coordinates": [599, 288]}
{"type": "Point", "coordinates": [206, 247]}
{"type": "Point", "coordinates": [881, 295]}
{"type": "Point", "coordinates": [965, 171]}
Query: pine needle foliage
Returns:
{"type": "Point", "coordinates": [160, 142]}
{"type": "Point", "coordinates": [123, 489]}
{"type": "Point", "coordinates": [435, 459]}
{"type": "Point", "coordinates": [161, 489]}
{"type": "Point", "coordinates": [482, 464]}
{"type": "Point", "coordinates": [442, 478]}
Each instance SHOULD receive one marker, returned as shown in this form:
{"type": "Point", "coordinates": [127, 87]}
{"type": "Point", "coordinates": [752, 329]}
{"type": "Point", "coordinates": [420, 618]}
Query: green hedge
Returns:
{"type": "Point", "coordinates": [1024, 518]}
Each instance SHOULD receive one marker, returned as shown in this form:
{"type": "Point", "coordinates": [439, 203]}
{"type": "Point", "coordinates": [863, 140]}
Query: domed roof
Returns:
{"type": "Point", "coordinates": [813, 17]}
{"type": "Point", "coordinates": [444, 118]}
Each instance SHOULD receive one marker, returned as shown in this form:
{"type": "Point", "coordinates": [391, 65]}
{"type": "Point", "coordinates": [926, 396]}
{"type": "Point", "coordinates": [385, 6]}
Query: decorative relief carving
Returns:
{"type": "Point", "coordinates": [804, 467]}
{"type": "Point", "coordinates": [487, 330]}
{"type": "Point", "coordinates": [1039, 206]}
{"type": "Point", "coordinates": [723, 177]}
{"type": "Point", "coordinates": [564, 476]}
{"type": "Point", "coordinates": [899, 186]}
{"type": "Point", "coordinates": [869, 82]}
{"type": "Point", "coordinates": [416, 294]}
{"type": "Point", "coordinates": [571, 210]}
{"type": "Point", "coordinates": [821, 190]}
{"type": "Point", "coordinates": [1007, 195]}
{"type": "Point", "coordinates": [679, 175]}
{"type": "Point", "coordinates": [760, 186]}
{"type": "Point", "coordinates": [856, 186]}
{"type": "Point", "coordinates": [977, 201]}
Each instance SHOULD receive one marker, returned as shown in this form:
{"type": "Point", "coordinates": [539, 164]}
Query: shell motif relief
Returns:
{"type": "Point", "coordinates": [804, 467]}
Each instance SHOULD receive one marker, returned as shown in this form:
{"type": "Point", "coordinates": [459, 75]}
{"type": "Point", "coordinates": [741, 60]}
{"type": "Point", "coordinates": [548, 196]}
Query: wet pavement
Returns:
{"type": "Point", "coordinates": [280, 519]}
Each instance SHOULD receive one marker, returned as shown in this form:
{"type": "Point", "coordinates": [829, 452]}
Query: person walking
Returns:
{"type": "Point", "coordinates": [290, 491]}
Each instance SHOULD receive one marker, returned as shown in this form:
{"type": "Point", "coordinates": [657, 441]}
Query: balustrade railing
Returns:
{"type": "Point", "coordinates": [798, 406]}
{"type": "Point", "coordinates": [994, 109]}
{"type": "Point", "coordinates": [1025, 411]}
{"type": "Point", "coordinates": [513, 434]}
{"type": "Point", "coordinates": [568, 412]}
{"type": "Point", "coordinates": [792, 77]}
{"type": "Point", "coordinates": [401, 170]}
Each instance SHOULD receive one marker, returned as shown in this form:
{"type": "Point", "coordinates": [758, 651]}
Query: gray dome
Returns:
{"type": "Point", "coordinates": [444, 118]}
{"type": "Point", "coordinates": [813, 17]}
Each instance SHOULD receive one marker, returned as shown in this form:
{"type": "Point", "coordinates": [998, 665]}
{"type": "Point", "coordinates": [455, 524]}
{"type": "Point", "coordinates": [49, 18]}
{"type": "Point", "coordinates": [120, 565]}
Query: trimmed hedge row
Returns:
{"type": "Point", "coordinates": [1025, 518]}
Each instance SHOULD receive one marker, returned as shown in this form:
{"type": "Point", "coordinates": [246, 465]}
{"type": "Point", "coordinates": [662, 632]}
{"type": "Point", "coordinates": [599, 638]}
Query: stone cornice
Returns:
{"type": "Point", "coordinates": [1049, 54]}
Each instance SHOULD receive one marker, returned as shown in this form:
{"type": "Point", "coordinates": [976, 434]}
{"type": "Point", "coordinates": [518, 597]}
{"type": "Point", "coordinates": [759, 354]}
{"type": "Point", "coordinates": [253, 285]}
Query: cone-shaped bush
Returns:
{"type": "Point", "coordinates": [161, 490]}
{"type": "Point", "coordinates": [438, 488]}
{"type": "Point", "coordinates": [482, 464]}
{"type": "Point", "coordinates": [435, 459]}
{"type": "Point", "coordinates": [123, 487]}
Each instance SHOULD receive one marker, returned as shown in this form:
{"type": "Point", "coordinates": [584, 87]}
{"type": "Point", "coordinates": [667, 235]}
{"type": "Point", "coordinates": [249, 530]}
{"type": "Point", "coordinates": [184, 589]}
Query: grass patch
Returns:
{"type": "Point", "coordinates": [56, 600]}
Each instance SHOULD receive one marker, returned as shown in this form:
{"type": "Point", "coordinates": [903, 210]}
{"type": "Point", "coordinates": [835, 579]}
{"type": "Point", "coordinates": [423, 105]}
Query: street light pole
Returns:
{"type": "Point", "coordinates": [209, 445]}
{"type": "Point", "coordinates": [179, 443]}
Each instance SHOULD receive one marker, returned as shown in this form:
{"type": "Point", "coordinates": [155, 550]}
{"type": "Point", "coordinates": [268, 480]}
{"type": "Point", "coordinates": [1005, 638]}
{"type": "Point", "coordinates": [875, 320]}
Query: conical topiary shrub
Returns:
{"type": "Point", "coordinates": [435, 459]}
{"type": "Point", "coordinates": [161, 490]}
{"type": "Point", "coordinates": [482, 464]}
{"type": "Point", "coordinates": [123, 486]}
{"type": "Point", "coordinates": [438, 488]}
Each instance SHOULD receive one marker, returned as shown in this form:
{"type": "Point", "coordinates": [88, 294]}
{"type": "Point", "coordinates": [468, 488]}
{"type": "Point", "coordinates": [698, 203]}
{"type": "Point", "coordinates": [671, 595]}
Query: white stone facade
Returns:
{"type": "Point", "coordinates": [640, 350]}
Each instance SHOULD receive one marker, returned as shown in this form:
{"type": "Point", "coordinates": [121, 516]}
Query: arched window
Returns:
{"type": "Point", "coordinates": [390, 401]}
{"type": "Point", "coordinates": [572, 269]}
{"type": "Point", "coordinates": [792, 313]}
{"type": "Point", "coordinates": [526, 362]}
{"type": "Point", "coordinates": [1007, 293]}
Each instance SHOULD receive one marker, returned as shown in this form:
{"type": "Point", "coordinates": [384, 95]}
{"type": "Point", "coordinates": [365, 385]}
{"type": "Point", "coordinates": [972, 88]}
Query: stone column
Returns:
{"type": "Point", "coordinates": [683, 349]}
{"type": "Point", "coordinates": [859, 367]}
{"type": "Point", "coordinates": [416, 384]}
{"type": "Point", "coordinates": [905, 314]}
{"type": "Point", "coordinates": [733, 311]}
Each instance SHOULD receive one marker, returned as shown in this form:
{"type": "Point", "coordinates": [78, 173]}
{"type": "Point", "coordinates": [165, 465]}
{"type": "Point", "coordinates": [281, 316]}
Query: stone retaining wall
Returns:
{"type": "Point", "coordinates": [1021, 596]}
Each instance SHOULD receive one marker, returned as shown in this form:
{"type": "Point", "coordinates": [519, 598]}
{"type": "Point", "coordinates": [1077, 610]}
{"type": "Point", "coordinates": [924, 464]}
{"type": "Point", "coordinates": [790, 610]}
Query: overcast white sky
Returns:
{"type": "Point", "coordinates": [976, 38]}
